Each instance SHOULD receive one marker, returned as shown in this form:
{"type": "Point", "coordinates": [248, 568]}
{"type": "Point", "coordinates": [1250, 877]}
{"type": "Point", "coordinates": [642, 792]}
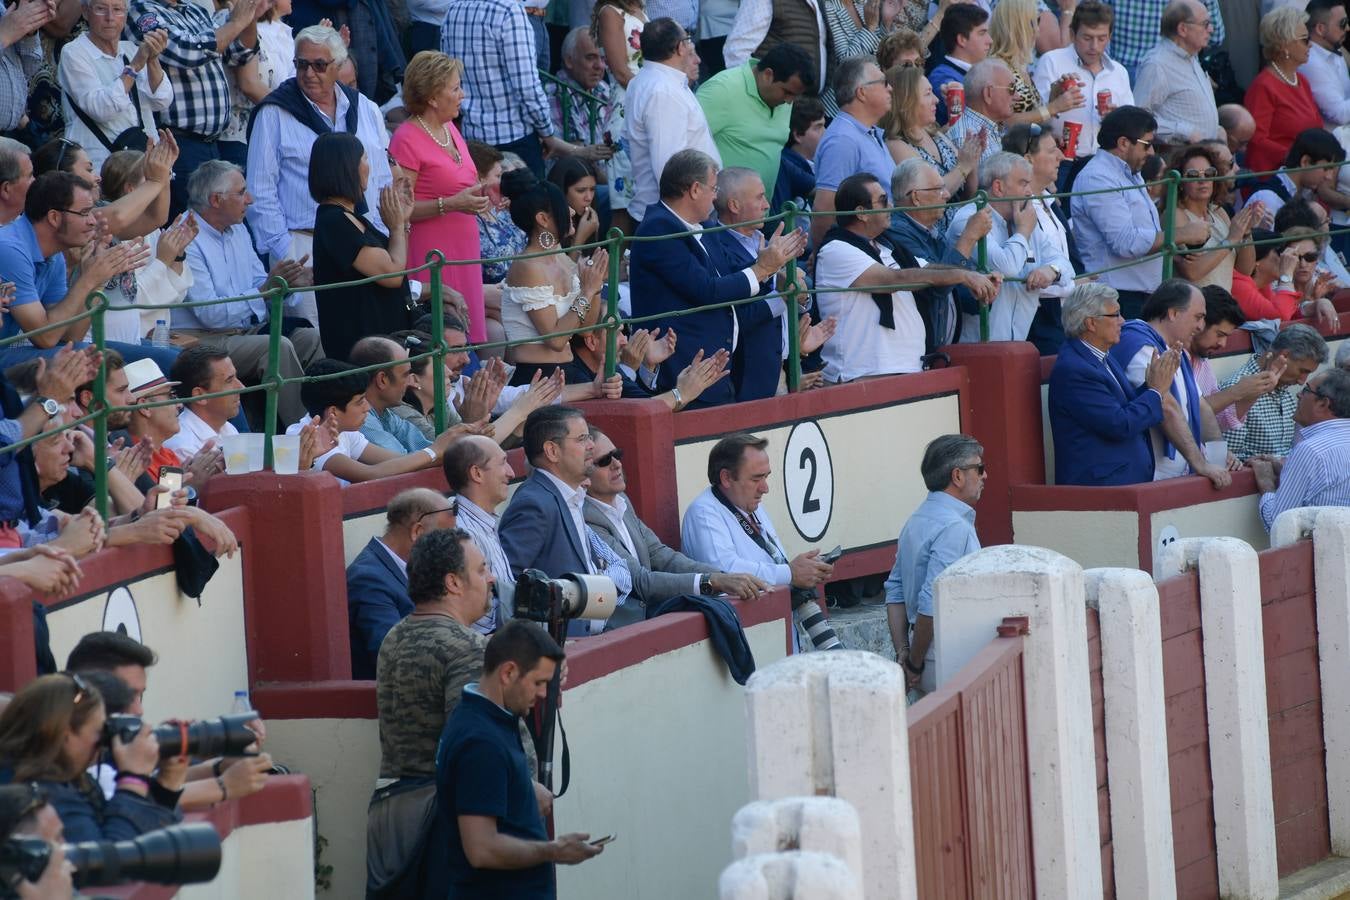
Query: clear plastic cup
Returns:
{"type": "Point", "coordinates": [1216, 453]}
{"type": "Point", "coordinates": [235, 448]}
{"type": "Point", "coordinates": [286, 454]}
{"type": "Point", "coordinates": [254, 445]}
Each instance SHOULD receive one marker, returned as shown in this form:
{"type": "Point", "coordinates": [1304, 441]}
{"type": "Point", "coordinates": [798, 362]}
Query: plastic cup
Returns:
{"type": "Point", "coordinates": [253, 444]}
{"type": "Point", "coordinates": [235, 449]}
{"type": "Point", "coordinates": [956, 102]}
{"type": "Point", "coordinates": [286, 454]}
{"type": "Point", "coordinates": [1216, 453]}
{"type": "Point", "coordinates": [1071, 132]}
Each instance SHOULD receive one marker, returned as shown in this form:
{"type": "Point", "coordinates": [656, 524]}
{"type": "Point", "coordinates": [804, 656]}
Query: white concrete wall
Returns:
{"type": "Point", "coordinates": [1097, 538]}
{"type": "Point", "coordinates": [268, 860]}
{"type": "Point", "coordinates": [1236, 517]}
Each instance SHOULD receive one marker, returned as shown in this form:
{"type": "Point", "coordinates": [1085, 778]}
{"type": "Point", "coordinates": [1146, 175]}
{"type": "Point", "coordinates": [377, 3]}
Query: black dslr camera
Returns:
{"type": "Point", "coordinates": [225, 736]}
{"type": "Point", "coordinates": [179, 854]}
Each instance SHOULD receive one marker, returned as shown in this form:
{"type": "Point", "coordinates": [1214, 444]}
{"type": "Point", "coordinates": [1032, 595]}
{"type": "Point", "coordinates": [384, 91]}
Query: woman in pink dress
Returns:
{"type": "Point", "coordinates": [446, 189]}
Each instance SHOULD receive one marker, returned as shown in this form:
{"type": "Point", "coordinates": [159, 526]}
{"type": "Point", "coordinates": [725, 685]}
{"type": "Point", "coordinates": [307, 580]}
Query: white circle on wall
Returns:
{"type": "Point", "coordinates": [808, 480]}
{"type": "Point", "coordinates": [120, 615]}
{"type": "Point", "coordinates": [1168, 536]}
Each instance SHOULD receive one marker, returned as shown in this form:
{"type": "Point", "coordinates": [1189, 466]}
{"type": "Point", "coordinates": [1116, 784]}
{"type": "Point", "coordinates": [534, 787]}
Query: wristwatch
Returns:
{"type": "Point", "coordinates": [705, 585]}
{"type": "Point", "coordinates": [49, 406]}
{"type": "Point", "coordinates": [1286, 280]}
{"type": "Point", "coordinates": [128, 72]}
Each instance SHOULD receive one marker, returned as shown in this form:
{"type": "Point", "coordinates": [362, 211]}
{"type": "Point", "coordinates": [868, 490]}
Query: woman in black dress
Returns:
{"type": "Point", "coordinates": [347, 247]}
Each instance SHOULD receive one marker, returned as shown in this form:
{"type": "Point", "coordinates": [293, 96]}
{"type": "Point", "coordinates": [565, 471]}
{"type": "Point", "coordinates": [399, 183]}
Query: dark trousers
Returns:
{"type": "Point", "coordinates": [530, 149]}
{"type": "Point", "coordinates": [192, 152]}
{"type": "Point", "coordinates": [1132, 304]}
{"type": "Point", "coordinates": [710, 57]}
{"type": "Point", "coordinates": [423, 36]}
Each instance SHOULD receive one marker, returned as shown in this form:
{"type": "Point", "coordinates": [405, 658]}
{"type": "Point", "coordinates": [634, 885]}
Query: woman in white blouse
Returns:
{"type": "Point", "coordinates": [263, 73]}
{"type": "Point", "coordinates": [99, 73]}
{"type": "Point", "coordinates": [1037, 143]}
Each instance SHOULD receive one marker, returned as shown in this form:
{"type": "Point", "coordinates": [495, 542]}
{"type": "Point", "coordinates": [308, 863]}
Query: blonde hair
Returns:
{"type": "Point", "coordinates": [1012, 25]}
{"type": "Point", "coordinates": [1279, 27]}
{"type": "Point", "coordinates": [906, 88]}
{"type": "Point", "coordinates": [122, 171]}
{"type": "Point", "coordinates": [427, 73]}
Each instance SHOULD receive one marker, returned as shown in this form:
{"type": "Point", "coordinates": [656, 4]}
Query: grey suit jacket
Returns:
{"type": "Point", "coordinates": [659, 572]}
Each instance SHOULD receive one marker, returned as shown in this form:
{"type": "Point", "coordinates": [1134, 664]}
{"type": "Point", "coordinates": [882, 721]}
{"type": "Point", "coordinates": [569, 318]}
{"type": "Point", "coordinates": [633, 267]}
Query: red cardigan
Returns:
{"type": "Point", "coordinates": [1281, 112]}
{"type": "Point", "coordinates": [1264, 304]}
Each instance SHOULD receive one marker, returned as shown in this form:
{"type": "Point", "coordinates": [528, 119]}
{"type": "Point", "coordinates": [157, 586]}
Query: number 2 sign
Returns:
{"type": "Point", "coordinates": [808, 479]}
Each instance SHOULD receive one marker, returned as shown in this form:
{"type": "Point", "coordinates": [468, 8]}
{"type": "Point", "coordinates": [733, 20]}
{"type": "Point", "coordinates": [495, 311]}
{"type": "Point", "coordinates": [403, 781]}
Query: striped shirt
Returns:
{"type": "Point", "coordinates": [482, 527]}
{"type": "Point", "coordinates": [201, 89]}
{"type": "Point", "coordinates": [19, 62]}
{"type": "Point", "coordinates": [1316, 472]}
{"type": "Point", "coordinates": [504, 100]}
{"type": "Point", "coordinates": [1136, 29]}
{"type": "Point", "coordinates": [1173, 86]}
{"type": "Point", "coordinates": [1269, 425]}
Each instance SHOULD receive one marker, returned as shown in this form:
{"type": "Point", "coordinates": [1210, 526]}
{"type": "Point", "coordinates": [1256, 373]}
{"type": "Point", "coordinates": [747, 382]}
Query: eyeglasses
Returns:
{"type": "Point", "coordinates": [978, 467]}
{"type": "Point", "coordinates": [1110, 315]}
{"type": "Point", "coordinates": [81, 688]}
{"type": "Point", "coordinates": [1033, 137]}
{"type": "Point", "coordinates": [1306, 39]}
{"type": "Point", "coordinates": [1211, 172]}
{"type": "Point", "coordinates": [107, 12]}
{"type": "Point", "coordinates": [82, 213]}
{"type": "Point", "coordinates": [872, 82]}
{"type": "Point", "coordinates": [318, 65]}
{"type": "Point", "coordinates": [1316, 392]}
{"type": "Point", "coordinates": [452, 509]}
{"type": "Point", "coordinates": [1343, 23]}
{"type": "Point", "coordinates": [609, 458]}
{"type": "Point", "coordinates": [1203, 23]}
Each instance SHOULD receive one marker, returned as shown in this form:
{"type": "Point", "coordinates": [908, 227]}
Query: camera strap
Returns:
{"type": "Point", "coordinates": [752, 529]}
{"type": "Point", "coordinates": [565, 777]}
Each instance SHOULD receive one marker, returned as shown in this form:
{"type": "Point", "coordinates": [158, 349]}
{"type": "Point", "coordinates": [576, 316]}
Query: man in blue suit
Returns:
{"type": "Point", "coordinates": [677, 275]}
{"type": "Point", "coordinates": [377, 580]}
{"type": "Point", "coordinates": [1099, 423]}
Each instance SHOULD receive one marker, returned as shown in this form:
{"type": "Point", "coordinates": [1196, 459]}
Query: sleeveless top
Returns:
{"type": "Point", "coordinates": [517, 302]}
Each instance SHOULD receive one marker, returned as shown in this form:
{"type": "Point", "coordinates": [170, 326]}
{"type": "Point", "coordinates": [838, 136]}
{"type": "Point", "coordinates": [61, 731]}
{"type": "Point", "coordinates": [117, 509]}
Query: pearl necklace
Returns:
{"type": "Point", "coordinates": [448, 144]}
{"type": "Point", "coordinates": [1279, 73]}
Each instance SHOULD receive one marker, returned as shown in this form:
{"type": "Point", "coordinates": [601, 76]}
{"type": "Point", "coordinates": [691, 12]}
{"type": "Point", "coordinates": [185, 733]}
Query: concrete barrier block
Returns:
{"type": "Point", "coordinates": [833, 724]}
{"type": "Point", "coordinates": [971, 598]}
{"type": "Point", "coordinates": [1296, 524]}
{"type": "Point", "coordinates": [818, 824]}
{"type": "Point", "coordinates": [796, 875]}
{"type": "Point", "coordinates": [1126, 601]}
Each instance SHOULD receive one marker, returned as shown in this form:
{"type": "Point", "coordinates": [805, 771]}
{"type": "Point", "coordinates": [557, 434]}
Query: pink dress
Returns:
{"type": "Point", "coordinates": [455, 234]}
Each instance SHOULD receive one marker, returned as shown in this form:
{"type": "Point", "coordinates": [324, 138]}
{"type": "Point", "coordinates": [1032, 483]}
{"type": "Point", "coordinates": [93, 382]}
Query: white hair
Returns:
{"type": "Point", "coordinates": [323, 36]}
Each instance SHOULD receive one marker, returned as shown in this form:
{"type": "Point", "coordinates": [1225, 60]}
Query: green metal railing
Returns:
{"type": "Point", "coordinates": [593, 106]}
{"type": "Point", "coordinates": [275, 292]}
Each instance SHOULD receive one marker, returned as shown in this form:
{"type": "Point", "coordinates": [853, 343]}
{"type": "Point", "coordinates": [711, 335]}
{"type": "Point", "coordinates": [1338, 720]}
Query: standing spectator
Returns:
{"type": "Point", "coordinates": [1195, 203]}
{"type": "Point", "coordinates": [111, 88]}
{"type": "Point", "coordinates": [683, 12]}
{"type": "Point", "coordinates": [911, 131]}
{"type": "Point", "coordinates": [282, 143]}
{"type": "Point", "coordinates": [937, 534]}
{"type": "Point", "coordinates": [715, 18]}
{"type": "Point", "coordinates": [965, 34]}
{"type": "Point", "coordinates": [495, 42]}
{"type": "Point", "coordinates": [1268, 429]}
{"type": "Point", "coordinates": [763, 24]}
{"type": "Point", "coordinates": [1171, 83]}
{"type": "Point", "coordinates": [749, 108]}
{"type": "Point", "coordinates": [194, 60]}
{"type": "Point", "coordinates": [1314, 472]}
{"type": "Point", "coordinates": [989, 103]}
{"type": "Point", "coordinates": [1279, 99]}
{"type": "Point", "coordinates": [1325, 69]}
{"type": "Point", "coordinates": [477, 471]}
{"type": "Point", "coordinates": [1313, 147]}
{"type": "Point", "coordinates": [447, 191]}
{"type": "Point", "coordinates": [424, 29]}
{"type": "Point", "coordinates": [879, 332]}
{"type": "Point", "coordinates": [350, 247]}
{"type": "Point", "coordinates": [1013, 29]}
{"type": "Point", "coordinates": [498, 236]}
{"type": "Point", "coordinates": [852, 142]}
{"type": "Point", "coordinates": [21, 57]}
{"type": "Point", "coordinates": [797, 160]}
{"type": "Point", "coordinates": [857, 28]}
{"type": "Point", "coordinates": [1087, 60]}
{"type": "Point", "coordinates": [662, 116]}
{"type": "Point", "coordinates": [1222, 318]}
{"type": "Point", "coordinates": [1136, 31]}
{"type": "Point", "coordinates": [617, 28]}
{"type": "Point", "coordinates": [203, 370]}
{"type": "Point", "coordinates": [1116, 228]}
{"type": "Point", "coordinates": [584, 71]}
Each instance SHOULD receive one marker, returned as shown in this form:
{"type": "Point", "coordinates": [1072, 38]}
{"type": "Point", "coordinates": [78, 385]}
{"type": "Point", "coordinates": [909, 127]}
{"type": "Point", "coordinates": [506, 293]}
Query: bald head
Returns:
{"type": "Point", "coordinates": [413, 513]}
{"type": "Point", "coordinates": [387, 386]}
{"type": "Point", "coordinates": [1187, 23]}
{"type": "Point", "coordinates": [476, 469]}
{"type": "Point", "coordinates": [1238, 124]}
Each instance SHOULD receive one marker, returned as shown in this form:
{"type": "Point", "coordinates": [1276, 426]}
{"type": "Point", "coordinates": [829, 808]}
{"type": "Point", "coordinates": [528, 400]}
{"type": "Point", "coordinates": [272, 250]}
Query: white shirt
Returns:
{"type": "Point", "coordinates": [278, 171]}
{"type": "Point", "coordinates": [193, 432]}
{"type": "Point", "coordinates": [662, 118]}
{"type": "Point", "coordinates": [752, 24]}
{"type": "Point", "coordinates": [349, 443]}
{"type": "Point", "coordinates": [94, 79]}
{"type": "Point", "coordinates": [155, 283]}
{"type": "Point", "coordinates": [1163, 468]}
{"type": "Point", "coordinates": [1330, 83]}
{"type": "Point", "coordinates": [1056, 64]}
{"type": "Point", "coordinates": [1273, 201]}
{"type": "Point", "coordinates": [860, 347]}
{"type": "Point", "coordinates": [575, 501]}
{"type": "Point", "coordinates": [711, 533]}
{"type": "Point", "coordinates": [398, 560]}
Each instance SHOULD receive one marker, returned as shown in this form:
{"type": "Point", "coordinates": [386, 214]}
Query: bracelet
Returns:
{"type": "Point", "coordinates": [216, 767]}
{"type": "Point", "coordinates": [1043, 113]}
{"type": "Point", "coordinates": [224, 794]}
{"type": "Point", "coordinates": [429, 451]}
{"type": "Point", "coordinates": [440, 206]}
{"type": "Point", "coordinates": [914, 671]}
{"type": "Point", "coordinates": [133, 776]}
{"type": "Point", "coordinates": [679, 401]}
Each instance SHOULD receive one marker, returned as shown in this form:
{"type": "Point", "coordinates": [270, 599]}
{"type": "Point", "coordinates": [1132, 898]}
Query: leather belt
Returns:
{"type": "Point", "coordinates": [537, 11]}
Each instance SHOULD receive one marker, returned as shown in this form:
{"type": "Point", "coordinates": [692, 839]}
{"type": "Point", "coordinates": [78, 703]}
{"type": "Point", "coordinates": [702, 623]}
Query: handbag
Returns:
{"type": "Point", "coordinates": [132, 138]}
{"type": "Point", "coordinates": [398, 821]}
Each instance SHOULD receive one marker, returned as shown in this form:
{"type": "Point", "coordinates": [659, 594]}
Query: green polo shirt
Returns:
{"type": "Point", "coordinates": [746, 131]}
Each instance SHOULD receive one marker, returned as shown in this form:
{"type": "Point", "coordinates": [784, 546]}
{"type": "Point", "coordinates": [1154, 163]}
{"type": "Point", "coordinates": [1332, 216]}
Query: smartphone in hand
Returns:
{"type": "Point", "coordinates": [170, 477]}
{"type": "Point", "coordinates": [831, 555]}
{"type": "Point", "coordinates": [602, 841]}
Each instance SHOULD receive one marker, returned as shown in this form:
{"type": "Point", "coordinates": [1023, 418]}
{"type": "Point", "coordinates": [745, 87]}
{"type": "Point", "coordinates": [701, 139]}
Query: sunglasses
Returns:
{"type": "Point", "coordinates": [318, 65]}
{"type": "Point", "coordinates": [1211, 172]}
{"type": "Point", "coordinates": [81, 688]}
{"type": "Point", "coordinates": [1310, 257]}
{"type": "Point", "coordinates": [61, 157]}
{"type": "Point", "coordinates": [978, 467]}
{"type": "Point", "coordinates": [1034, 132]}
{"type": "Point", "coordinates": [609, 459]}
{"type": "Point", "coordinates": [452, 509]}
{"type": "Point", "coordinates": [37, 798]}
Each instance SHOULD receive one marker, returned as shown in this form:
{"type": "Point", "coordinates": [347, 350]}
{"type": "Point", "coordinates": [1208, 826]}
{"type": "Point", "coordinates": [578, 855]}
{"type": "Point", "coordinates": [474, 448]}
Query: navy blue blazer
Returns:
{"type": "Point", "coordinates": [758, 360]}
{"type": "Point", "coordinates": [377, 599]}
{"type": "Point", "coordinates": [536, 530]}
{"type": "Point", "coordinates": [1099, 423]}
{"type": "Point", "coordinates": [666, 276]}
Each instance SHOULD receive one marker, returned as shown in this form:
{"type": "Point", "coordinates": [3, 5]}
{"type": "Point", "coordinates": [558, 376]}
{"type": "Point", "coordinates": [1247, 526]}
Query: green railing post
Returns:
{"type": "Point", "coordinates": [791, 309]}
{"type": "Point", "coordinates": [437, 261]}
{"type": "Point", "coordinates": [982, 263]}
{"type": "Point", "coordinates": [592, 118]}
{"type": "Point", "coordinates": [98, 303]}
{"type": "Point", "coordinates": [275, 299]}
{"type": "Point", "coordinates": [1169, 222]}
{"type": "Point", "coordinates": [612, 323]}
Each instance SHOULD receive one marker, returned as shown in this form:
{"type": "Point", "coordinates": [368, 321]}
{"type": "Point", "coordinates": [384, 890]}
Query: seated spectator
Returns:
{"type": "Point", "coordinates": [480, 476]}
{"type": "Point", "coordinates": [204, 370]}
{"type": "Point", "coordinates": [937, 534]}
{"type": "Point", "coordinates": [386, 390]}
{"type": "Point", "coordinates": [659, 572]}
{"type": "Point", "coordinates": [889, 340]}
{"type": "Point", "coordinates": [911, 131]}
{"type": "Point", "coordinates": [1223, 316]}
{"type": "Point", "coordinates": [1279, 100]}
{"type": "Point", "coordinates": [1268, 429]}
{"type": "Point", "coordinates": [852, 143]}
{"type": "Point", "coordinates": [725, 527]}
{"type": "Point", "coordinates": [52, 732]}
{"type": "Point", "coordinates": [224, 264]}
{"type": "Point", "coordinates": [1314, 284]}
{"type": "Point", "coordinates": [965, 34]}
{"type": "Point", "coordinates": [1018, 248]}
{"type": "Point", "coordinates": [903, 48]}
{"type": "Point", "coordinates": [341, 402]}
{"type": "Point", "coordinates": [1116, 228]}
{"type": "Point", "coordinates": [674, 275]}
{"type": "Point", "coordinates": [155, 425]}
{"type": "Point", "coordinates": [576, 179]}
{"type": "Point", "coordinates": [1197, 202]}
{"type": "Point", "coordinates": [377, 579]}
{"type": "Point", "coordinates": [16, 175]}
{"type": "Point", "coordinates": [1324, 69]}
{"type": "Point", "coordinates": [640, 358]}
{"type": "Point", "coordinates": [796, 165]}
{"type": "Point", "coordinates": [1171, 83]}
{"type": "Point", "coordinates": [1273, 290]}
{"type": "Point", "coordinates": [111, 88]}
{"type": "Point", "coordinates": [1099, 421]}
{"type": "Point", "coordinates": [1314, 472]}
{"type": "Point", "coordinates": [1313, 147]}
{"type": "Point", "coordinates": [1238, 127]}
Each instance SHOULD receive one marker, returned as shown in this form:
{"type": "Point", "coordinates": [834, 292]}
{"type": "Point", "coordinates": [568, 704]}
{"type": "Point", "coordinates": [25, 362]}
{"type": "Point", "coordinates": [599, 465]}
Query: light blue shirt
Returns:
{"type": "Point", "coordinates": [393, 433]}
{"type": "Point", "coordinates": [848, 148]}
{"type": "Point", "coordinates": [1316, 472]}
{"type": "Point", "coordinates": [1113, 229]}
{"type": "Point", "coordinates": [941, 531]}
{"type": "Point", "coordinates": [223, 264]}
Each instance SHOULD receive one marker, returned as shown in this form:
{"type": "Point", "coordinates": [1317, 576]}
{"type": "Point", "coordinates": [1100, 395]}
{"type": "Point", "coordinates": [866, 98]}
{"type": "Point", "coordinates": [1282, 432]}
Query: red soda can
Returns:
{"type": "Point", "coordinates": [1071, 132]}
{"type": "Point", "coordinates": [1103, 102]}
{"type": "Point", "coordinates": [956, 102]}
{"type": "Point", "coordinates": [1068, 82]}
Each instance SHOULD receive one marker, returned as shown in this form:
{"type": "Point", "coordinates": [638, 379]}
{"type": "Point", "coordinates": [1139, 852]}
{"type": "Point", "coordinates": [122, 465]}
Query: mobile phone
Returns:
{"type": "Point", "coordinates": [602, 841]}
{"type": "Point", "coordinates": [170, 477]}
{"type": "Point", "coordinates": [831, 555]}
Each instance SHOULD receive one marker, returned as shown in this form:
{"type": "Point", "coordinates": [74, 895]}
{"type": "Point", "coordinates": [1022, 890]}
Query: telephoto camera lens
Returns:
{"type": "Point", "coordinates": [179, 854]}
{"type": "Point", "coordinates": [225, 736]}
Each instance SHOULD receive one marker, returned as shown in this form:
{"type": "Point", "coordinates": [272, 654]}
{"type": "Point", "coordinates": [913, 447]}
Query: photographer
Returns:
{"type": "Point", "coordinates": [25, 813]}
{"type": "Point", "coordinates": [52, 732]}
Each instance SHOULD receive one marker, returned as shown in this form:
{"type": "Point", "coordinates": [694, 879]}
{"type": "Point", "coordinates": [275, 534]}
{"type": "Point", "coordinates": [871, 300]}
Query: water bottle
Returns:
{"type": "Point", "coordinates": [241, 703]}
{"type": "Point", "coordinates": [160, 336]}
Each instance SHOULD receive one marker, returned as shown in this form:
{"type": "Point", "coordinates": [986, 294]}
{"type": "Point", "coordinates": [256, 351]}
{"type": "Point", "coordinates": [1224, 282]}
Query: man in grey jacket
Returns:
{"type": "Point", "coordinates": [659, 572]}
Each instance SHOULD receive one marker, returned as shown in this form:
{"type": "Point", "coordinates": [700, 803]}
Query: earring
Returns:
{"type": "Point", "coordinates": [547, 240]}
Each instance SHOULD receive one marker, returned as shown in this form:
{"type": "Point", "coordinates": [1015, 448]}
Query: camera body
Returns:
{"type": "Point", "coordinates": [223, 736]}
{"type": "Point", "coordinates": [553, 600]}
